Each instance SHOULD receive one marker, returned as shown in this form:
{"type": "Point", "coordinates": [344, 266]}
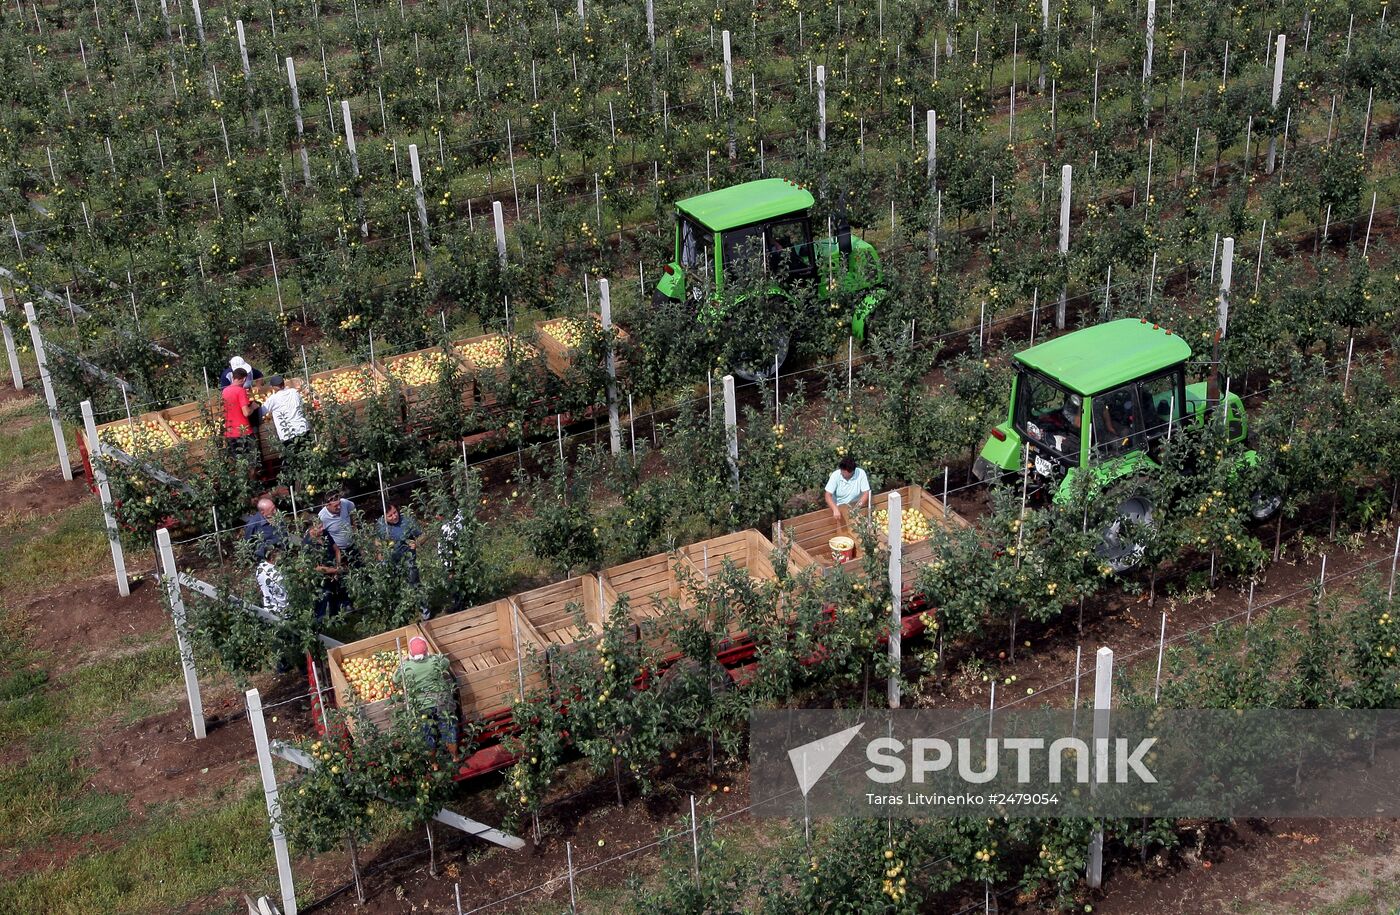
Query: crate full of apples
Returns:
{"type": "Point", "coordinates": [372, 676]}
{"type": "Point", "coordinates": [137, 437]}
{"type": "Point", "coordinates": [914, 524]}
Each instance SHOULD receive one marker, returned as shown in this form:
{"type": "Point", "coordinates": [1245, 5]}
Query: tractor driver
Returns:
{"type": "Point", "coordinates": [1065, 426]}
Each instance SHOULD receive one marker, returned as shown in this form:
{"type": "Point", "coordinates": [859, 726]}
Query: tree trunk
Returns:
{"type": "Point", "coordinates": [617, 778]}
{"type": "Point", "coordinates": [1011, 655]}
{"type": "Point", "coordinates": [1278, 534]}
{"type": "Point", "coordinates": [1152, 588]}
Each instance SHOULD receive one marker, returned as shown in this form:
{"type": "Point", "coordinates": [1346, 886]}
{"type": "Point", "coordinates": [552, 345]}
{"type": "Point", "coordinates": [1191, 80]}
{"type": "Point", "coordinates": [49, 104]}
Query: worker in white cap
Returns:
{"type": "Point", "coordinates": [235, 363]}
{"type": "Point", "coordinates": [430, 693]}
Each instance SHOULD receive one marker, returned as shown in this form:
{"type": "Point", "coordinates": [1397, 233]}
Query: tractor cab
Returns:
{"type": "Point", "coordinates": [1102, 401]}
{"type": "Point", "coordinates": [757, 238]}
{"type": "Point", "coordinates": [1101, 398]}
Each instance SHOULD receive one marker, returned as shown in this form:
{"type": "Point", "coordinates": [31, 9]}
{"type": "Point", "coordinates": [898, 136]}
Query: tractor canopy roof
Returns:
{"type": "Point", "coordinates": [744, 204]}
{"type": "Point", "coordinates": [1101, 357]}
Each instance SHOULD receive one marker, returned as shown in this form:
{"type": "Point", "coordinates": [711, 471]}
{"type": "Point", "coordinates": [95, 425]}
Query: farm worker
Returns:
{"type": "Point", "coordinates": [238, 410]}
{"type": "Point", "coordinates": [336, 517]}
{"type": "Point", "coordinates": [284, 406]}
{"type": "Point", "coordinates": [270, 582]}
{"type": "Point", "coordinates": [327, 558]}
{"type": "Point", "coordinates": [1069, 424]}
{"type": "Point", "coordinates": [847, 485]}
{"type": "Point", "coordinates": [429, 691]}
{"type": "Point", "coordinates": [264, 528]}
{"type": "Point", "coordinates": [234, 364]}
{"type": "Point", "coordinates": [401, 535]}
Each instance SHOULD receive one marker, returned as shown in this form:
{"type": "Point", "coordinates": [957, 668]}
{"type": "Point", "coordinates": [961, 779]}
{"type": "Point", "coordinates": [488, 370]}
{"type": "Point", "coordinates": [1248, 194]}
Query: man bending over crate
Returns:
{"type": "Point", "coordinates": [430, 693]}
{"type": "Point", "coordinates": [847, 485]}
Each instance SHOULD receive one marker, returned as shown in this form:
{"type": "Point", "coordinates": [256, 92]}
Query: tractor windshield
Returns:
{"type": "Point", "coordinates": [1049, 415]}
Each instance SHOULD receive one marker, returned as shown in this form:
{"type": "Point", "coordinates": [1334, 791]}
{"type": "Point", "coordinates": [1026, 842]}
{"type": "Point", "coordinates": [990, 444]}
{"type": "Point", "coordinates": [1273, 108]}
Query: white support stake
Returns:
{"type": "Point", "coordinates": [104, 492]}
{"type": "Point", "coordinates": [45, 379]}
{"type": "Point", "coordinates": [274, 808]}
{"type": "Point", "coordinates": [10, 350]}
{"type": "Point", "coordinates": [896, 537]}
{"type": "Point", "coordinates": [821, 106]}
{"type": "Point", "coordinates": [1066, 185]}
{"type": "Point", "coordinates": [731, 426]}
{"type": "Point", "coordinates": [614, 425]}
{"type": "Point", "coordinates": [171, 574]}
{"type": "Point", "coordinates": [1161, 650]}
{"type": "Point", "coordinates": [1103, 700]}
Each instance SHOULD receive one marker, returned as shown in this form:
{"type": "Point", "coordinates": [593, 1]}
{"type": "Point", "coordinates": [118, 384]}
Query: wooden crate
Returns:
{"type": "Point", "coordinates": [554, 610]}
{"type": "Point", "coordinates": [813, 531]}
{"type": "Point", "coordinates": [559, 356]}
{"type": "Point", "coordinates": [749, 550]}
{"type": "Point", "coordinates": [379, 712]}
{"type": "Point", "coordinates": [148, 424]}
{"type": "Point", "coordinates": [652, 589]}
{"type": "Point", "coordinates": [416, 393]}
{"type": "Point", "coordinates": [369, 380]}
{"type": "Point", "coordinates": [486, 658]}
{"type": "Point", "coordinates": [525, 353]}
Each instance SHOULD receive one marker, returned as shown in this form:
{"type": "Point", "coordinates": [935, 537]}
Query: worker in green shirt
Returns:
{"type": "Point", "coordinates": [430, 692]}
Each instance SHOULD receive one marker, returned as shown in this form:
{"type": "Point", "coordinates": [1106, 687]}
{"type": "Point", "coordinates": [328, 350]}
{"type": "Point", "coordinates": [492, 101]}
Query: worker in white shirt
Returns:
{"type": "Point", "coordinates": [847, 485]}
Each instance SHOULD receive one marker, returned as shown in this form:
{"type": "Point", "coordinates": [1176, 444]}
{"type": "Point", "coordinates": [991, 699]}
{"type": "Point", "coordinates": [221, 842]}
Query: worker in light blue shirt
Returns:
{"type": "Point", "coordinates": [847, 485]}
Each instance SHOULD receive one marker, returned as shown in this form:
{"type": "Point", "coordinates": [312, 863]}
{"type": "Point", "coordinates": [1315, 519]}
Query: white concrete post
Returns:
{"type": "Point", "coordinates": [104, 492]}
{"type": "Point", "coordinates": [731, 426]}
{"type": "Point", "coordinates": [932, 150]}
{"type": "Point", "coordinates": [354, 163]}
{"type": "Point", "coordinates": [301, 127]}
{"type": "Point", "coordinates": [13, 354]}
{"type": "Point", "coordinates": [821, 105]}
{"type": "Point", "coordinates": [274, 808]}
{"type": "Point", "coordinates": [198, 20]}
{"type": "Point", "coordinates": [171, 574]}
{"type": "Point", "coordinates": [896, 538]}
{"type": "Point", "coordinates": [1227, 265]}
{"type": "Point", "coordinates": [1273, 102]}
{"type": "Point", "coordinates": [651, 24]}
{"type": "Point", "coordinates": [41, 357]}
{"type": "Point", "coordinates": [1151, 34]}
{"type": "Point", "coordinates": [728, 67]}
{"type": "Point", "coordinates": [418, 192]}
{"type": "Point", "coordinates": [1066, 184]}
{"type": "Point", "coordinates": [500, 220]}
{"type": "Point", "coordinates": [1103, 701]}
{"type": "Point", "coordinates": [614, 425]}
{"type": "Point", "coordinates": [243, 56]}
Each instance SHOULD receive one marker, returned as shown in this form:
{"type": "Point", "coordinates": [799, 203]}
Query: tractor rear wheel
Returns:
{"type": "Point", "coordinates": [1121, 546]}
{"type": "Point", "coordinates": [758, 359]}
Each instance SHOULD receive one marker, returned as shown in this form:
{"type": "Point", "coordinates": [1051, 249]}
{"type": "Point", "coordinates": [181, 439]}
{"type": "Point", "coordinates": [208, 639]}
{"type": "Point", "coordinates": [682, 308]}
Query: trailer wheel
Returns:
{"type": "Point", "coordinates": [1121, 547]}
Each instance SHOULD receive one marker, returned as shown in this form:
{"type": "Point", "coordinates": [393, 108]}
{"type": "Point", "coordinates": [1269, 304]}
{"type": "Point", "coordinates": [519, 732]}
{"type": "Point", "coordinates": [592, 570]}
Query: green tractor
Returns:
{"type": "Point", "coordinates": [757, 239]}
{"type": "Point", "coordinates": [1102, 401]}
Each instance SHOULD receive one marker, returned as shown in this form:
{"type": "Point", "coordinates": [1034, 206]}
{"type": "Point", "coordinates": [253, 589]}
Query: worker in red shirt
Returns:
{"type": "Point", "coordinates": [238, 410]}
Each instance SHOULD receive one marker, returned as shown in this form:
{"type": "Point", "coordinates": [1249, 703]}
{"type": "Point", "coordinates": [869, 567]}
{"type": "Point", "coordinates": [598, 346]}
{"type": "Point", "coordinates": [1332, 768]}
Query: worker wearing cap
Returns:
{"type": "Point", "coordinates": [429, 692]}
{"type": "Point", "coordinates": [234, 364]}
{"type": "Point", "coordinates": [847, 485]}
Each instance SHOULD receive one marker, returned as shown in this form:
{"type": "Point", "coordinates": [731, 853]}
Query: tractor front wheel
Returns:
{"type": "Point", "coordinates": [1122, 545]}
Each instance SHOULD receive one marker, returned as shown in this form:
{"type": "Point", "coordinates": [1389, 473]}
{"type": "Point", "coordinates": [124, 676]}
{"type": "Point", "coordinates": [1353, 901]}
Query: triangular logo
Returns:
{"type": "Point", "coordinates": [811, 760]}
